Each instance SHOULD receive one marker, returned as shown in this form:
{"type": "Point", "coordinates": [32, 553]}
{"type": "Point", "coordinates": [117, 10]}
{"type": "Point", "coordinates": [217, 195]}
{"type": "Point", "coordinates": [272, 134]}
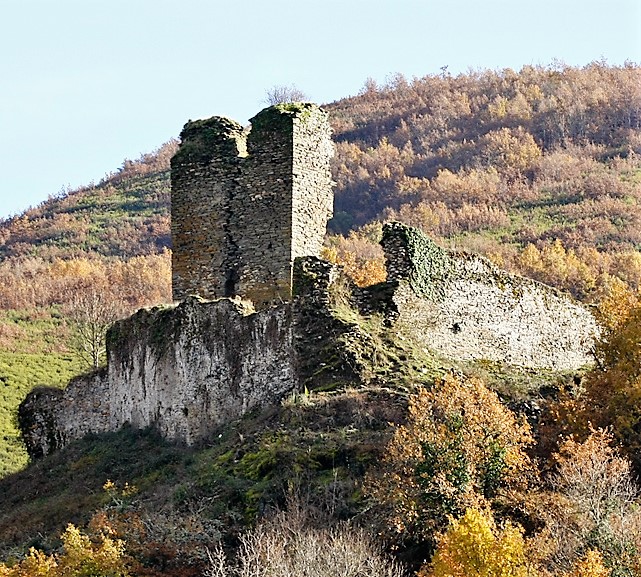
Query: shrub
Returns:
{"type": "Point", "coordinates": [460, 448]}
{"type": "Point", "coordinates": [289, 544]}
{"type": "Point", "coordinates": [80, 558]}
{"type": "Point", "coordinates": [591, 565]}
{"type": "Point", "coordinates": [594, 506]}
{"type": "Point", "coordinates": [473, 546]}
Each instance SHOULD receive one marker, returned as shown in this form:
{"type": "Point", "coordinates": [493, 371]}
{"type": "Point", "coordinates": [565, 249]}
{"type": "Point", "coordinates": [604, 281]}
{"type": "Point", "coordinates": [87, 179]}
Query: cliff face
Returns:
{"type": "Point", "coordinates": [191, 368]}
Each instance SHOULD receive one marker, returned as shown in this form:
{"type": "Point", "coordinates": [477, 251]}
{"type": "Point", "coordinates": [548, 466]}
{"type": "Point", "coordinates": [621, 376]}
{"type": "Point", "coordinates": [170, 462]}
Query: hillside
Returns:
{"type": "Point", "coordinates": [539, 170]}
{"type": "Point", "coordinates": [491, 161]}
{"type": "Point", "coordinates": [125, 215]}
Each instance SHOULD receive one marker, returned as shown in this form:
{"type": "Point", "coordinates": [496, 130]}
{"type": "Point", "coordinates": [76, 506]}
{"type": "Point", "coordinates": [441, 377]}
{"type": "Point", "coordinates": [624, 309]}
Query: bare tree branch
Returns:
{"type": "Point", "coordinates": [281, 93]}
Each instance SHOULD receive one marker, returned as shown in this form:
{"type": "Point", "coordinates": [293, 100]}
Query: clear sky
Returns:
{"type": "Point", "coordinates": [88, 83]}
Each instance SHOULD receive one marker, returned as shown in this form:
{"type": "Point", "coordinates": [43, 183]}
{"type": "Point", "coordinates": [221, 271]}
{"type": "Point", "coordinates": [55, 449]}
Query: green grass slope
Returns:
{"type": "Point", "coordinates": [31, 354]}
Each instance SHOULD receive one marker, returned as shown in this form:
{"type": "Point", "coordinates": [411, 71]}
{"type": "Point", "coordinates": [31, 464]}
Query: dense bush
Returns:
{"type": "Point", "coordinates": [460, 448]}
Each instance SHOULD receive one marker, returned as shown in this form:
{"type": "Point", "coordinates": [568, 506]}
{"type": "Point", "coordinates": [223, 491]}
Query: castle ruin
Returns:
{"type": "Point", "coordinates": [244, 205]}
{"type": "Point", "coordinates": [249, 211]}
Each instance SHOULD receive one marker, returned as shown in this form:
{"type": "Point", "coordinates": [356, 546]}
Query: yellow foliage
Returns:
{"type": "Point", "coordinates": [79, 268]}
{"type": "Point", "coordinates": [615, 301]}
{"type": "Point", "coordinates": [478, 186]}
{"type": "Point", "coordinates": [510, 151]}
{"type": "Point", "coordinates": [472, 546]}
{"type": "Point", "coordinates": [80, 558]}
{"type": "Point", "coordinates": [557, 266]}
{"type": "Point", "coordinates": [36, 564]}
{"type": "Point", "coordinates": [613, 389]}
{"type": "Point", "coordinates": [591, 565]}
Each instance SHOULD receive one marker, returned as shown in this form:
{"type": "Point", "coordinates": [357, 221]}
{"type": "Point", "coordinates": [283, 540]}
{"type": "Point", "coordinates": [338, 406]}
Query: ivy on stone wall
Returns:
{"type": "Point", "coordinates": [429, 265]}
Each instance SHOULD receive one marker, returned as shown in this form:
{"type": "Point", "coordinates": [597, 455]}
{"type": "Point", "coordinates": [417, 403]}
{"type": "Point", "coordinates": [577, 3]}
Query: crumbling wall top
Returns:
{"type": "Point", "coordinates": [282, 115]}
{"type": "Point", "coordinates": [203, 140]}
{"type": "Point", "coordinates": [414, 257]}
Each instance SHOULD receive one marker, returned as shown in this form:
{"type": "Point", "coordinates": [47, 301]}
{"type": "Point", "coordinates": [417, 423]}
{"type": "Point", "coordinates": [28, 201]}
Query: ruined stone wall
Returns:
{"type": "Point", "coordinates": [203, 176]}
{"type": "Point", "coordinates": [312, 197]}
{"type": "Point", "coordinates": [245, 206]}
{"type": "Point", "coordinates": [189, 369]}
{"type": "Point", "coordinates": [463, 307]}
{"type": "Point", "coordinates": [184, 370]}
{"type": "Point", "coordinates": [243, 209]}
{"type": "Point", "coordinates": [263, 210]}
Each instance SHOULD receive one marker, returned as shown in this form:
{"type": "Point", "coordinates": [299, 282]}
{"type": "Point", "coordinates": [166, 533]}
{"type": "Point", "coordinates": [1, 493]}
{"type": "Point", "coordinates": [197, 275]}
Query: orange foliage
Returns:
{"type": "Point", "coordinates": [359, 254]}
{"type": "Point", "coordinates": [135, 282]}
{"type": "Point", "coordinates": [594, 505]}
{"type": "Point", "coordinates": [460, 448]}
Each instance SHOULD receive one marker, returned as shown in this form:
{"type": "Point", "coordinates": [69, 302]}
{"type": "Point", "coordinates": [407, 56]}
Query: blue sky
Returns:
{"type": "Point", "coordinates": [88, 83]}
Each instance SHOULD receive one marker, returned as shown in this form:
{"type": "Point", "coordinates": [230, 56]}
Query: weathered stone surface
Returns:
{"type": "Point", "coordinates": [319, 334]}
{"type": "Point", "coordinates": [184, 370]}
{"type": "Point", "coordinates": [204, 171]}
{"type": "Point", "coordinates": [463, 307]}
{"type": "Point", "coordinates": [244, 206]}
{"type": "Point", "coordinates": [248, 217]}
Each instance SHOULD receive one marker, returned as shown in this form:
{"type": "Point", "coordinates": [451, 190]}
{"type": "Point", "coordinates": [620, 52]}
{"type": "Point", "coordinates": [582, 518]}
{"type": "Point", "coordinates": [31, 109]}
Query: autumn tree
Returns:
{"type": "Point", "coordinates": [473, 546]}
{"type": "Point", "coordinates": [359, 253]}
{"type": "Point", "coordinates": [80, 557]}
{"type": "Point", "coordinates": [461, 448]}
{"type": "Point", "coordinates": [513, 152]}
{"type": "Point", "coordinates": [594, 505]}
{"type": "Point", "coordinates": [590, 565]}
{"type": "Point", "coordinates": [611, 391]}
{"type": "Point", "coordinates": [603, 396]}
{"type": "Point", "coordinates": [91, 311]}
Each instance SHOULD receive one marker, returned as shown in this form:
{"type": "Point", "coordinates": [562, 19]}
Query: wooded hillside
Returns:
{"type": "Point", "coordinates": [540, 170]}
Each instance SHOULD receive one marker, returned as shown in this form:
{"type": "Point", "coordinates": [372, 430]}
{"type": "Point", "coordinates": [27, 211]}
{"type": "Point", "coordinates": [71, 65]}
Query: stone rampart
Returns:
{"type": "Point", "coordinates": [249, 213]}
{"type": "Point", "coordinates": [184, 370]}
{"type": "Point", "coordinates": [463, 307]}
{"type": "Point", "coordinates": [189, 369]}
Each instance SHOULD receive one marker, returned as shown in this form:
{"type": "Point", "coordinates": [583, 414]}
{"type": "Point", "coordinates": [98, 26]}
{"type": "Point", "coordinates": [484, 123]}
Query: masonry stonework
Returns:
{"type": "Point", "coordinates": [249, 212]}
{"type": "Point", "coordinates": [245, 205]}
{"type": "Point", "coordinates": [463, 307]}
{"type": "Point", "coordinates": [185, 370]}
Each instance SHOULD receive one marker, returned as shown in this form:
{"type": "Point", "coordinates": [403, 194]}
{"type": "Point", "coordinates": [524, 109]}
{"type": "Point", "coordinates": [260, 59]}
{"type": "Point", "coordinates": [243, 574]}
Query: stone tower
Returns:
{"type": "Point", "coordinates": [245, 205]}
